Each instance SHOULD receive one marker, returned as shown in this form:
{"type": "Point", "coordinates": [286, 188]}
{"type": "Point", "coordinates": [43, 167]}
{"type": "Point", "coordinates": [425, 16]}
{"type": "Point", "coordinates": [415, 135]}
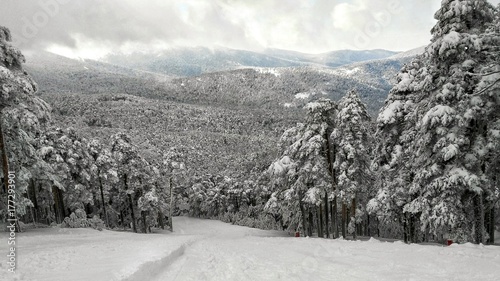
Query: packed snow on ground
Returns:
{"type": "Point", "coordinates": [212, 250]}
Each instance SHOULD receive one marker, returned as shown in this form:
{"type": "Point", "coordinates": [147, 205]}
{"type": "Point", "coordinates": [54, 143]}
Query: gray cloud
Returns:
{"type": "Point", "coordinates": [90, 26]}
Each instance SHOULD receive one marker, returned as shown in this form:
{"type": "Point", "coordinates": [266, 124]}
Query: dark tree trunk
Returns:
{"type": "Point", "coordinates": [131, 206]}
{"type": "Point", "coordinates": [414, 237]}
{"type": "Point", "coordinates": [344, 218]}
{"type": "Point", "coordinates": [492, 225]}
{"type": "Point", "coordinates": [368, 230]}
{"type": "Point", "coordinates": [32, 191]}
{"type": "Point", "coordinates": [305, 227]}
{"type": "Point", "coordinates": [171, 209]}
{"type": "Point", "coordinates": [311, 224]}
{"type": "Point", "coordinates": [130, 203]}
{"type": "Point", "coordinates": [59, 209]}
{"type": "Point", "coordinates": [411, 231]}
{"type": "Point", "coordinates": [103, 202]}
{"type": "Point", "coordinates": [327, 224]}
{"type": "Point", "coordinates": [479, 218]}
{"type": "Point", "coordinates": [405, 229]}
{"type": "Point", "coordinates": [122, 219]}
{"type": "Point", "coordinates": [320, 220]}
{"type": "Point", "coordinates": [144, 222]}
{"type": "Point", "coordinates": [160, 220]}
{"type": "Point", "coordinates": [378, 227]}
{"type": "Point", "coordinates": [353, 215]}
{"type": "Point", "coordinates": [335, 218]}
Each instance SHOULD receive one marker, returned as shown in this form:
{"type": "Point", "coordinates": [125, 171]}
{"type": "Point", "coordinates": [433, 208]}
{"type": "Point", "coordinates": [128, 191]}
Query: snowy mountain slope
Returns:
{"type": "Point", "coordinates": [243, 138]}
{"type": "Point", "coordinates": [211, 250]}
{"type": "Point", "coordinates": [54, 73]}
{"type": "Point", "coordinates": [196, 61]}
{"type": "Point", "coordinates": [409, 53]}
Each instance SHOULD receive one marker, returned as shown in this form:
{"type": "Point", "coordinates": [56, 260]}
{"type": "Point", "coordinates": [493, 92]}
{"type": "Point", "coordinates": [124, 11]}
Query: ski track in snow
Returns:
{"type": "Point", "coordinates": [212, 250]}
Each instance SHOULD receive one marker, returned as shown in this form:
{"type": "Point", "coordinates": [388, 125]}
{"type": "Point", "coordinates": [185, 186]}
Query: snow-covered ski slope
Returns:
{"type": "Point", "coordinates": [212, 250]}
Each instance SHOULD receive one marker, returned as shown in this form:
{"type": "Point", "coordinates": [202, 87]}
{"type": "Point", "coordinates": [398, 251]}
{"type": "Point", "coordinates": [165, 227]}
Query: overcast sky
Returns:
{"type": "Point", "coordinates": [92, 28]}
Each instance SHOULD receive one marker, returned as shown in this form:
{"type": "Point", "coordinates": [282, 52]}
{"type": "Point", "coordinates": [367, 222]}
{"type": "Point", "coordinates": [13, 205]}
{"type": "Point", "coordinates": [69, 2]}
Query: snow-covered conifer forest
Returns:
{"type": "Point", "coordinates": [247, 166]}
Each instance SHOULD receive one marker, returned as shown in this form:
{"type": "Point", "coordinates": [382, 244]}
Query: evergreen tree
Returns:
{"type": "Point", "coordinates": [104, 173]}
{"type": "Point", "coordinates": [396, 131]}
{"type": "Point", "coordinates": [352, 138]}
{"type": "Point", "coordinates": [68, 155]}
{"type": "Point", "coordinates": [433, 139]}
{"type": "Point", "coordinates": [303, 174]}
{"type": "Point", "coordinates": [486, 107]}
{"type": "Point", "coordinates": [22, 117]}
{"type": "Point", "coordinates": [130, 169]}
{"type": "Point", "coordinates": [450, 180]}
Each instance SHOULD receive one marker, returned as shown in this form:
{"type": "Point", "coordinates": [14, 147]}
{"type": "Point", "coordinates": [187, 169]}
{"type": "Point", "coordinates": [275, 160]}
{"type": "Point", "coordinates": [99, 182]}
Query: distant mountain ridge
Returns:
{"type": "Point", "coordinates": [196, 61]}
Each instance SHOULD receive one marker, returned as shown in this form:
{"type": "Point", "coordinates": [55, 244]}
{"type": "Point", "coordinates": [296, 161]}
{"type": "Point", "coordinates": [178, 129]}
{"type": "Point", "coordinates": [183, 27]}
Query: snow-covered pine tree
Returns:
{"type": "Point", "coordinates": [449, 153]}
{"type": "Point", "coordinates": [69, 156]}
{"type": "Point", "coordinates": [172, 170]}
{"type": "Point", "coordinates": [130, 168]}
{"type": "Point", "coordinates": [486, 107]}
{"type": "Point", "coordinates": [22, 117]}
{"type": "Point", "coordinates": [303, 173]}
{"type": "Point", "coordinates": [394, 151]}
{"type": "Point", "coordinates": [429, 123]}
{"type": "Point", "coordinates": [353, 141]}
{"type": "Point", "coordinates": [104, 174]}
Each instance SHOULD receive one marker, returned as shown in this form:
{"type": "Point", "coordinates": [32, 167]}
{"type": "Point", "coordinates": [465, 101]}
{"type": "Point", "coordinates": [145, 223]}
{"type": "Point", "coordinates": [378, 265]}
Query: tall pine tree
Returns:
{"type": "Point", "coordinates": [303, 174]}
{"type": "Point", "coordinates": [352, 138]}
{"type": "Point", "coordinates": [22, 117]}
{"type": "Point", "coordinates": [433, 132]}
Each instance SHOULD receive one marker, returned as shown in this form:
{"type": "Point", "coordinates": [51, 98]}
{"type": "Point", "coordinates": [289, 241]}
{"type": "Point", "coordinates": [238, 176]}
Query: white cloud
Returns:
{"type": "Point", "coordinates": [308, 26]}
{"type": "Point", "coordinates": [345, 16]}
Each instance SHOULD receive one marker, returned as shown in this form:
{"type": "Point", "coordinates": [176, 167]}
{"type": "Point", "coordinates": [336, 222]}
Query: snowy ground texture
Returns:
{"type": "Point", "coordinates": [213, 250]}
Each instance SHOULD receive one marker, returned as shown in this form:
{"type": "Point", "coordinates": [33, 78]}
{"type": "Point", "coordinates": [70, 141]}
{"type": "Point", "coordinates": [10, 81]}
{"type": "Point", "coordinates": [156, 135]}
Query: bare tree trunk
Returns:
{"type": "Point", "coordinates": [304, 220]}
{"type": "Point", "coordinates": [144, 222]}
{"type": "Point", "coordinates": [413, 231]}
{"type": "Point", "coordinates": [320, 220]}
{"type": "Point", "coordinates": [368, 230]}
{"type": "Point", "coordinates": [344, 217]}
{"type": "Point", "coordinates": [130, 204]}
{"type": "Point", "coordinates": [479, 218]}
{"type": "Point", "coordinates": [160, 220]}
{"type": "Point", "coordinates": [490, 225]}
{"type": "Point", "coordinates": [327, 224]}
{"type": "Point", "coordinates": [353, 216]}
{"type": "Point", "coordinates": [335, 221]}
{"type": "Point", "coordinates": [32, 186]}
{"type": "Point", "coordinates": [378, 227]}
{"type": "Point", "coordinates": [171, 205]}
{"type": "Point", "coordinates": [59, 210]}
{"type": "Point", "coordinates": [311, 224]}
{"type": "Point", "coordinates": [405, 229]}
{"type": "Point", "coordinates": [103, 202]}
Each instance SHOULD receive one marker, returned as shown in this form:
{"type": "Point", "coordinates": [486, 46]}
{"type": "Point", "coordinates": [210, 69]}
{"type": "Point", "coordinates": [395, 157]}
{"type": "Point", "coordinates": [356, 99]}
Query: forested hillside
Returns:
{"type": "Point", "coordinates": [214, 138]}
